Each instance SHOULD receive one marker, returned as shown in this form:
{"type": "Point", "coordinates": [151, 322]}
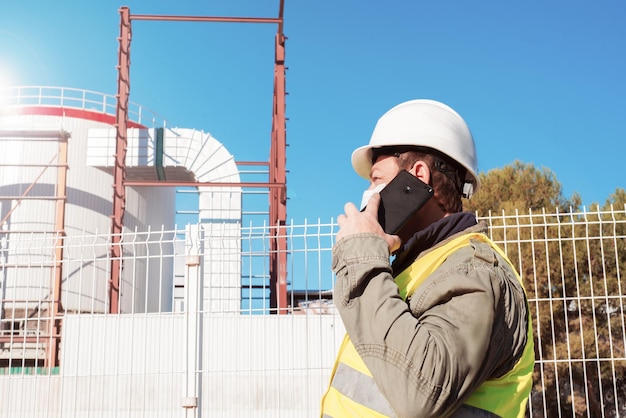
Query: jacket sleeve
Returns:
{"type": "Point", "coordinates": [426, 355]}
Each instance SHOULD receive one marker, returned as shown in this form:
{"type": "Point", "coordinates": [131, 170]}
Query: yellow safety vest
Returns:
{"type": "Point", "coordinates": [505, 396]}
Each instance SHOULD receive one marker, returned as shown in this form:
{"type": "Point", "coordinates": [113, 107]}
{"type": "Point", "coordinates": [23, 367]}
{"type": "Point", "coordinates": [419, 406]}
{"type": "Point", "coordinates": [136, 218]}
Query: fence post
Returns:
{"type": "Point", "coordinates": [193, 321]}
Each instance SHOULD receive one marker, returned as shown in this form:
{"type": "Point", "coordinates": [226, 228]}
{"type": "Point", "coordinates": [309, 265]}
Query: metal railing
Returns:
{"type": "Point", "coordinates": [76, 99]}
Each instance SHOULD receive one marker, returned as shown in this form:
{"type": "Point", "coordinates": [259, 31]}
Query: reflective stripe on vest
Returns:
{"type": "Point", "coordinates": [353, 391]}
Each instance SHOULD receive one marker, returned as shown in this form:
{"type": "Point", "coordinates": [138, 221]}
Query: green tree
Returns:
{"type": "Point", "coordinates": [570, 262]}
{"type": "Point", "coordinates": [520, 186]}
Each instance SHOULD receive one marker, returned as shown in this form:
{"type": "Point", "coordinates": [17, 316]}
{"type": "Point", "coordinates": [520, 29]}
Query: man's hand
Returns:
{"type": "Point", "coordinates": [354, 222]}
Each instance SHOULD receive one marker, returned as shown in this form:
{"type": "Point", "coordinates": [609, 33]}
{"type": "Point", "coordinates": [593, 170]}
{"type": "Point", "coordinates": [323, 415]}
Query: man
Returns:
{"type": "Point", "coordinates": [445, 330]}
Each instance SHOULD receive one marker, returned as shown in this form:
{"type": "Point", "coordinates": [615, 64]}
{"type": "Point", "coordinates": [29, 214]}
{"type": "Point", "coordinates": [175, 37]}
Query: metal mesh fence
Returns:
{"type": "Point", "coordinates": [191, 341]}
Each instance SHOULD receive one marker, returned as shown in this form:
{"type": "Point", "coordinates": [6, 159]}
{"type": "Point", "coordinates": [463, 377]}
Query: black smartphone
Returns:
{"type": "Point", "coordinates": [400, 200]}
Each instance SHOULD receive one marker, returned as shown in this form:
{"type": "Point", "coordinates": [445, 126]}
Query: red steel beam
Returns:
{"type": "Point", "coordinates": [31, 339]}
{"type": "Point", "coordinates": [52, 358]}
{"type": "Point", "coordinates": [119, 173]}
{"type": "Point", "coordinates": [251, 163]}
{"type": "Point", "coordinates": [278, 196]}
{"type": "Point", "coordinates": [224, 19]}
{"type": "Point", "coordinates": [158, 183]}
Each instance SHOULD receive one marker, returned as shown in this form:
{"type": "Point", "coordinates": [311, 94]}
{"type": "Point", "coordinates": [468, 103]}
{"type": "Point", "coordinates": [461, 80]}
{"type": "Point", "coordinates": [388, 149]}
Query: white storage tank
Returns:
{"type": "Point", "coordinates": [34, 123]}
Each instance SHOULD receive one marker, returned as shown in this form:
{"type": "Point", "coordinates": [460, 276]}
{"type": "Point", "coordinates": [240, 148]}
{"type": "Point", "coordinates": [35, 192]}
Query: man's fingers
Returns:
{"type": "Point", "coordinates": [350, 209]}
{"type": "Point", "coordinates": [352, 221]}
{"type": "Point", "coordinates": [394, 242]}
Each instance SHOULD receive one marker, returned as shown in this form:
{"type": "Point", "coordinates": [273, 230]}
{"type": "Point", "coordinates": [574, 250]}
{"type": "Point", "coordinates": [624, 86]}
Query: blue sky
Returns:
{"type": "Point", "coordinates": [543, 82]}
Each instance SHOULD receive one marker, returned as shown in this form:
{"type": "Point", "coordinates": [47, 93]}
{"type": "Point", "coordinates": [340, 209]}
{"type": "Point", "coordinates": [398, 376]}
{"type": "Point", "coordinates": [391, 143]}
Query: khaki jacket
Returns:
{"type": "Point", "coordinates": [466, 323]}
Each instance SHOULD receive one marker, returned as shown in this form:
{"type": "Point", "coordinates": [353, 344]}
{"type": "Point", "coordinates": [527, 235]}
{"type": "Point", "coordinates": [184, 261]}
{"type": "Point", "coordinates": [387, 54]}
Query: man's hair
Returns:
{"type": "Point", "coordinates": [446, 176]}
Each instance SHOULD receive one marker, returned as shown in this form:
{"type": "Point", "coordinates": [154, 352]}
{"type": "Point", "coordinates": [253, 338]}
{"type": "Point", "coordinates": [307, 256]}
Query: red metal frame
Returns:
{"type": "Point", "coordinates": [52, 359]}
{"type": "Point", "coordinates": [277, 160]}
{"type": "Point", "coordinates": [55, 308]}
{"type": "Point", "coordinates": [278, 196]}
{"type": "Point", "coordinates": [119, 172]}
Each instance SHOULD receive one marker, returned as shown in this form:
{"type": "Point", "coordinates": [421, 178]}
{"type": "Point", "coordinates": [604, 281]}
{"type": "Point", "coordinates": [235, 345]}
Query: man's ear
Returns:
{"type": "Point", "coordinates": [421, 170]}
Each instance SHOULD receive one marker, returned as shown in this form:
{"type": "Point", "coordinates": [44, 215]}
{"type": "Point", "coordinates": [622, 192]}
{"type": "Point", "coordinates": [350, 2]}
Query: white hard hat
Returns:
{"type": "Point", "coordinates": [423, 123]}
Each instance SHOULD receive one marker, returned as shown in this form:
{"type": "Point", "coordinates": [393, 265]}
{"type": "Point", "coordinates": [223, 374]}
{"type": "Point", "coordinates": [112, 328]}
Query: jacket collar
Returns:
{"type": "Point", "coordinates": [431, 236]}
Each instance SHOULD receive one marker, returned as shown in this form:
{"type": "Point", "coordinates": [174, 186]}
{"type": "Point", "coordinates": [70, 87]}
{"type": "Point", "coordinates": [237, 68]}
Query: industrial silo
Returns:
{"type": "Point", "coordinates": [56, 164]}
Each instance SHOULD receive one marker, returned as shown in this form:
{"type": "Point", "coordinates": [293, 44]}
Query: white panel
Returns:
{"type": "Point", "coordinates": [270, 366]}
{"type": "Point", "coordinates": [100, 147]}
